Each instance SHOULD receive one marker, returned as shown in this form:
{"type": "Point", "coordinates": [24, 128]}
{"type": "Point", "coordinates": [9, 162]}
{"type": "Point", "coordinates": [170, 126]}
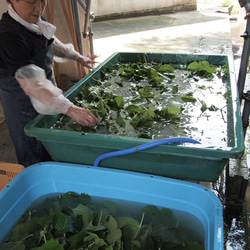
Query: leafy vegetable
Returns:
{"type": "Point", "coordinates": [202, 68]}
{"type": "Point", "coordinates": [188, 98]}
{"type": "Point", "coordinates": [72, 221]}
{"type": "Point", "coordinates": [150, 99]}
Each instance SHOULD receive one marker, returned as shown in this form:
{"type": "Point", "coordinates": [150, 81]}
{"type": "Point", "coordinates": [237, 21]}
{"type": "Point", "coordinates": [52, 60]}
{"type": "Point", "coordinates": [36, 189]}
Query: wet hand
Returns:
{"type": "Point", "coordinates": [86, 61]}
{"type": "Point", "coordinates": [82, 116]}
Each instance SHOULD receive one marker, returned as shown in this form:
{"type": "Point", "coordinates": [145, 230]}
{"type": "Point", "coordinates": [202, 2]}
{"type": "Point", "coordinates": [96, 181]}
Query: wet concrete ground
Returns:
{"type": "Point", "coordinates": [184, 32]}
{"type": "Point", "coordinates": [208, 31]}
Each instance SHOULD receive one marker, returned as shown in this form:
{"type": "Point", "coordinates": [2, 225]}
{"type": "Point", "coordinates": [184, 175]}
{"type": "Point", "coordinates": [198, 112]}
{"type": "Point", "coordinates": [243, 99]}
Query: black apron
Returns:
{"type": "Point", "coordinates": [19, 111]}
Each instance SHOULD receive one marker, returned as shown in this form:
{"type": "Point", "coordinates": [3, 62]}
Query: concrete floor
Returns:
{"type": "Point", "coordinates": [185, 32]}
{"type": "Point", "coordinates": [210, 30]}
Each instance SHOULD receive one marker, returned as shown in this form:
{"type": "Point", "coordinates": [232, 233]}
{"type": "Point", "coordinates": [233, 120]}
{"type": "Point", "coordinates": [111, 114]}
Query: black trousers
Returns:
{"type": "Point", "coordinates": [18, 111]}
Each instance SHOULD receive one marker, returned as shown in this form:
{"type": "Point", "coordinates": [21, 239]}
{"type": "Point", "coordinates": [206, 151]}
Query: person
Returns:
{"type": "Point", "coordinates": [27, 47]}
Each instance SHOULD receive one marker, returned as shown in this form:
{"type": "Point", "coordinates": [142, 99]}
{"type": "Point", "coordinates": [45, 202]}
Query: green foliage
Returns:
{"type": "Point", "coordinates": [132, 98]}
{"type": "Point", "coordinates": [72, 221]}
{"type": "Point", "coordinates": [119, 101]}
{"type": "Point", "coordinates": [202, 69]}
{"type": "Point", "coordinates": [188, 98]}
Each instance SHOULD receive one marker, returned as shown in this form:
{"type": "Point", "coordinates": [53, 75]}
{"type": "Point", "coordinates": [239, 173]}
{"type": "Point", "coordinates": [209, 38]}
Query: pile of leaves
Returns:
{"type": "Point", "coordinates": [136, 99]}
{"type": "Point", "coordinates": [71, 221]}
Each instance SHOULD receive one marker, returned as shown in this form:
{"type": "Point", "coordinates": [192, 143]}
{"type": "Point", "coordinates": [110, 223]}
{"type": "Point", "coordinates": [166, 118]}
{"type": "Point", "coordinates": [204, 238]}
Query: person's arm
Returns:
{"type": "Point", "coordinates": [67, 51]}
{"type": "Point", "coordinates": [48, 99]}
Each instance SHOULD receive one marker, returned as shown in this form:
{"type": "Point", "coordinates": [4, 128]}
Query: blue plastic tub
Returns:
{"type": "Point", "coordinates": [50, 178]}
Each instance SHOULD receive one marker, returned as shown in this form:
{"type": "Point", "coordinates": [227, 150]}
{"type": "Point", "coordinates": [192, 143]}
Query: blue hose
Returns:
{"type": "Point", "coordinates": [142, 147]}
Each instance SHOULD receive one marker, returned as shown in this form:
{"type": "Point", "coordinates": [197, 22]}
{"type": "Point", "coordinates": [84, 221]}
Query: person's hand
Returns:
{"type": "Point", "coordinates": [82, 116]}
{"type": "Point", "coordinates": [86, 61]}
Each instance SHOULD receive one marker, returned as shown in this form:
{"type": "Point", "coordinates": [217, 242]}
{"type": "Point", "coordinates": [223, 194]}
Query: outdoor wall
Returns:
{"type": "Point", "coordinates": [118, 7]}
{"type": "Point", "coordinates": [3, 7]}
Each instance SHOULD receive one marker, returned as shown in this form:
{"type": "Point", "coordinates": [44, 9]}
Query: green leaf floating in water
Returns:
{"type": "Point", "coordinates": [52, 244]}
{"type": "Point", "coordinates": [188, 98]}
{"type": "Point", "coordinates": [202, 66]}
{"type": "Point", "coordinates": [146, 92]}
{"type": "Point", "coordinates": [165, 68]}
{"type": "Point", "coordinates": [144, 98]}
{"type": "Point", "coordinates": [173, 110]}
{"type": "Point", "coordinates": [175, 89]}
{"type": "Point", "coordinates": [119, 101]}
{"type": "Point", "coordinates": [73, 222]}
{"type": "Point", "coordinates": [204, 106]}
{"type": "Point", "coordinates": [213, 108]}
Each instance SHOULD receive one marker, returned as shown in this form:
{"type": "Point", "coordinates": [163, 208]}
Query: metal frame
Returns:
{"type": "Point", "coordinates": [89, 18]}
{"type": "Point", "coordinates": [243, 68]}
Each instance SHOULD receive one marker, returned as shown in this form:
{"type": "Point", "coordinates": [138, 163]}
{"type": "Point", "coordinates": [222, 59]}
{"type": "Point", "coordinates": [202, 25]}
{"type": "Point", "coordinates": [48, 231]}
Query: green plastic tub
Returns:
{"type": "Point", "coordinates": [178, 160]}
